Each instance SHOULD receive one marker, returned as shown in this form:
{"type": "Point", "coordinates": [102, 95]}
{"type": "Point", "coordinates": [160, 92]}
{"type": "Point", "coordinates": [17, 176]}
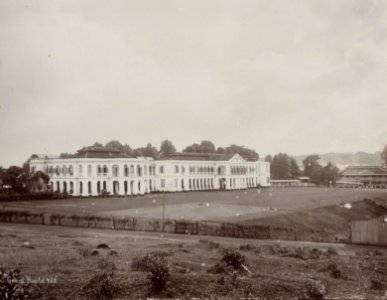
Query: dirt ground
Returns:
{"type": "Point", "coordinates": [229, 206]}
{"type": "Point", "coordinates": [279, 270]}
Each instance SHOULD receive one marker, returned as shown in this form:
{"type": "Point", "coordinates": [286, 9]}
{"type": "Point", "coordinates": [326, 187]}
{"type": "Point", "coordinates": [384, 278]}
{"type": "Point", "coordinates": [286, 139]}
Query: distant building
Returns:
{"type": "Point", "coordinates": [95, 170]}
{"type": "Point", "coordinates": [363, 176]}
{"type": "Point", "coordinates": [299, 182]}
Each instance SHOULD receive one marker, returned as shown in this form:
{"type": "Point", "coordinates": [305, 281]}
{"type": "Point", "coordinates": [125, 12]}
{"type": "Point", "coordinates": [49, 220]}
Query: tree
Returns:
{"type": "Point", "coordinates": [312, 168]}
{"type": "Point", "coordinates": [268, 158]}
{"type": "Point", "coordinates": [221, 150]}
{"type": "Point", "coordinates": [148, 151]}
{"type": "Point", "coordinates": [242, 150]}
{"type": "Point", "coordinates": [37, 179]}
{"type": "Point", "coordinates": [383, 155]}
{"type": "Point", "coordinates": [281, 167]}
{"type": "Point", "coordinates": [167, 148]}
{"type": "Point", "coordinates": [116, 145]}
{"type": "Point", "coordinates": [13, 177]}
{"type": "Point", "coordinates": [330, 174]}
{"type": "Point", "coordinates": [294, 168]}
{"type": "Point", "coordinates": [203, 147]}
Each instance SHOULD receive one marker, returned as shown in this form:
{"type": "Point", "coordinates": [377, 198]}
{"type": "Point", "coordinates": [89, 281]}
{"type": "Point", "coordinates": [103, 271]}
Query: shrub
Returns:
{"type": "Point", "coordinates": [234, 259]}
{"type": "Point", "coordinates": [159, 275]}
{"type": "Point", "coordinates": [143, 263]}
{"type": "Point", "coordinates": [103, 286]}
{"type": "Point", "coordinates": [247, 247]}
{"type": "Point", "coordinates": [315, 289]}
{"type": "Point", "coordinates": [85, 252]}
{"type": "Point", "coordinates": [158, 268]}
{"type": "Point", "coordinates": [377, 283]}
{"type": "Point", "coordinates": [106, 265]}
{"type": "Point", "coordinates": [334, 271]}
{"type": "Point", "coordinates": [14, 285]}
{"type": "Point", "coordinates": [331, 251]}
{"type": "Point", "coordinates": [103, 246]}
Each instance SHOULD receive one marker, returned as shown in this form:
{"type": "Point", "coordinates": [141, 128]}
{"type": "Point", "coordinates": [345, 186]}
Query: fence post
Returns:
{"type": "Point", "coordinates": [113, 223]}
{"type": "Point", "coordinates": [197, 227]}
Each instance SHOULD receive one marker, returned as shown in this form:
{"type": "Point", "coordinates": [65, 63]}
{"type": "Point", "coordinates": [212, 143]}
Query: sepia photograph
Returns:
{"type": "Point", "coordinates": [193, 149]}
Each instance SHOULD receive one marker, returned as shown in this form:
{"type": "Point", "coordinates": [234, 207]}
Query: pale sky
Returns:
{"type": "Point", "coordinates": [277, 76]}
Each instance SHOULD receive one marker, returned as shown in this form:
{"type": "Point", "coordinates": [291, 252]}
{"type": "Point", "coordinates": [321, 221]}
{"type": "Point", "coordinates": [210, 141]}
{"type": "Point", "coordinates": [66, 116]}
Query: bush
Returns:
{"type": "Point", "coordinates": [334, 271]}
{"type": "Point", "coordinates": [377, 283]}
{"type": "Point", "coordinates": [158, 268]}
{"type": "Point", "coordinates": [159, 275]}
{"type": "Point", "coordinates": [103, 286]}
{"type": "Point", "coordinates": [234, 259]}
{"type": "Point", "coordinates": [315, 289]}
{"type": "Point", "coordinates": [143, 263]}
{"type": "Point", "coordinates": [32, 196]}
{"type": "Point", "coordinates": [14, 285]}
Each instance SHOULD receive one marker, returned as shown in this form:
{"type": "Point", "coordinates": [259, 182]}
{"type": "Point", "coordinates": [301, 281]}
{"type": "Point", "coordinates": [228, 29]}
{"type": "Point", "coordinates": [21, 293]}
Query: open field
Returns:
{"type": "Point", "coordinates": [230, 206]}
{"type": "Point", "coordinates": [285, 270]}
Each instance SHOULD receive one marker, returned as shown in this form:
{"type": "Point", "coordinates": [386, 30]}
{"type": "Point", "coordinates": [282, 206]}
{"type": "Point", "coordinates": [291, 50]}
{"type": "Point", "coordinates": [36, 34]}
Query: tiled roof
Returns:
{"type": "Point", "coordinates": [364, 171]}
{"type": "Point", "coordinates": [100, 152]}
{"type": "Point", "coordinates": [44, 156]}
{"type": "Point", "coordinates": [198, 156]}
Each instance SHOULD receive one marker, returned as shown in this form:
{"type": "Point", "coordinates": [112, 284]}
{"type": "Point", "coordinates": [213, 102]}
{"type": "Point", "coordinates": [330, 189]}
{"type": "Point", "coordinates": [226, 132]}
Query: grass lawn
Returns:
{"type": "Point", "coordinates": [230, 206]}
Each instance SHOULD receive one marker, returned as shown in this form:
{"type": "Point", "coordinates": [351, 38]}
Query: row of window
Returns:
{"type": "Point", "coordinates": [101, 170]}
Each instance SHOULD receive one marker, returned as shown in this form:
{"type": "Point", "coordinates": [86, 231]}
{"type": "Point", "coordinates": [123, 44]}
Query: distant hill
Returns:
{"type": "Point", "coordinates": [342, 160]}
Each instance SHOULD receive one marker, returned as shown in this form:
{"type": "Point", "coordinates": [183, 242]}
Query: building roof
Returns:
{"type": "Point", "coordinates": [364, 171]}
{"type": "Point", "coordinates": [100, 152]}
{"type": "Point", "coordinates": [44, 156]}
{"type": "Point", "coordinates": [198, 156]}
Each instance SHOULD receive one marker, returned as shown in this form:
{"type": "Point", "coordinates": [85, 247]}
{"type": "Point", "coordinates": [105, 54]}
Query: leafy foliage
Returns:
{"type": "Point", "coordinates": [383, 155]}
{"type": "Point", "coordinates": [234, 259]}
{"type": "Point", "coordinates": [158, 268]}
{"type": "Point", "coordinates": [315, 289]}
{"type": "Point", "coordinates": [167, 148]}
{"type": "Point", "coordinates": [105, 284]}
{"type": "Point", "coordinates": [284, 166]}
{"type": "Point", "coordinates": [14, 285]}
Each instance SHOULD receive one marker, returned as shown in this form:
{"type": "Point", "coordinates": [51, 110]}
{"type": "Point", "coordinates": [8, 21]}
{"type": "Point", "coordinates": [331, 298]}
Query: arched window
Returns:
{"type": "Point", "coordinates": [71, 187]}
{"type": "Point", "coordinates": [89, 170]}
{"type": "Point", "coordinates": [126, 171]}
{"type": "Point", "coordinates": [138, 170]}
{"type": "Point", "coordinates": [99, 170]}
{"type": "Point", "coordinates": [80, 169]}
{"type": "Point", "coordinates": [131, 170]}
{"type": "Point", "coordinates": [64, 170]}
{"type": "Point", "coordinates": [71, 170]}
{"type": "Point", "coordinates": [105, 170]}
{"type": "Point", "coordinates": [57, 170]}
{"type": "Point", "coordinates": [115, 171]}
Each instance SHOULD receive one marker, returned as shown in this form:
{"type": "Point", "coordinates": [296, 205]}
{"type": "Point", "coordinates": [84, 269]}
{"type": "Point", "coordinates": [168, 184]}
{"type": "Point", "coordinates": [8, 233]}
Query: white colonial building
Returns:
{"type": "Point", "coordinates": [95, 170]}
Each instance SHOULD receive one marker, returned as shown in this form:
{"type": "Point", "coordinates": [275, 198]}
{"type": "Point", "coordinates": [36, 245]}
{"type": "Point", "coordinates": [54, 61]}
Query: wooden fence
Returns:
{"type": "Point", "coordinates": [372, 232]}
{"type": "Point", "coordinates": [153, 225]}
